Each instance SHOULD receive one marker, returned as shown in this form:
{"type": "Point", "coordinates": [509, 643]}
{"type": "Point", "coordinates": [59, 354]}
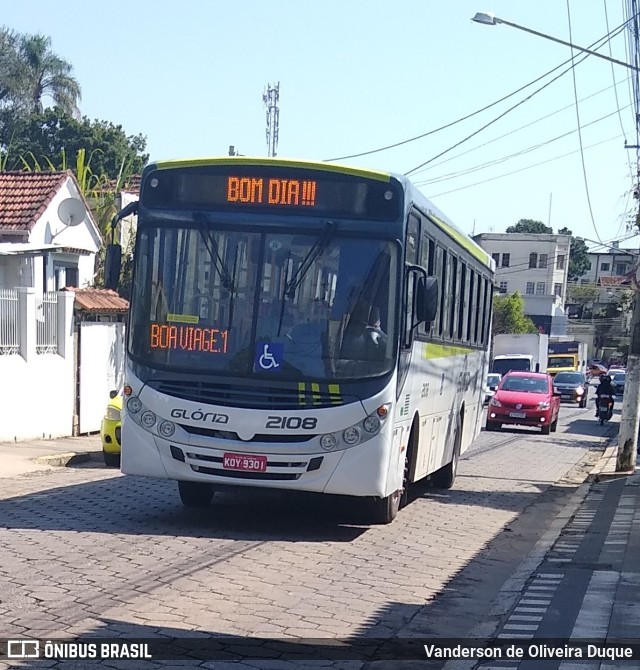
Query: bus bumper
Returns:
{"type": "Point", "coordinates": [360, 470]}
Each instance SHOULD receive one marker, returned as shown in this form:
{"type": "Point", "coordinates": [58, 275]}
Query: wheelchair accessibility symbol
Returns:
{"type": "Point", "coordinates": [268, 356]}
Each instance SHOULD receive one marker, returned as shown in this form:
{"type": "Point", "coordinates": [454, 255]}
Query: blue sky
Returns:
{"type": "Point", "coordinates": [358, 75]}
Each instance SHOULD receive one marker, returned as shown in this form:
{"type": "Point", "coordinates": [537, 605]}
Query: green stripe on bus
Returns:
{"type": "Point", "coordinates": [431, 350]}
{"type": "Point", "coordinates": [315, 393]}
{"type": "Point", "coordinates": [334, 392]}
{"type": "Point", "coordinates": [302, 396]}
{"type": "Point", "coordinates": [312, 165]}
{"type": "Point", "coordinates": [468, 244]}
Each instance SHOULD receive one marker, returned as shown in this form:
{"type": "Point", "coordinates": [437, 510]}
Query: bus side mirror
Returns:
{"type": "Point", "coordinates": [427, 299]}
{"type": "Point", "coordinates": [112, 266]}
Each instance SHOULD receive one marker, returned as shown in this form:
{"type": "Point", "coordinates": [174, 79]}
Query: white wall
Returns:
{"type": "Point", "coordinates": [37, 391]}
{"type": "Point", "coordinates": [519, 247]}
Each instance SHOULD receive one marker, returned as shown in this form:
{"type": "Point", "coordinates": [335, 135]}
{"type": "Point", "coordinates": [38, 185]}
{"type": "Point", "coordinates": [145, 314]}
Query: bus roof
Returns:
{"type": "Point", "coordinates": [416, 196]}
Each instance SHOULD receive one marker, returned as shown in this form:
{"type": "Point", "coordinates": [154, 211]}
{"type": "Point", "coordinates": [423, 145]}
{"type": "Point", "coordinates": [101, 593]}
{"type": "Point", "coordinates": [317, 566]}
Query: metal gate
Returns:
{"type": "Point", "coordinates": [100, 369]}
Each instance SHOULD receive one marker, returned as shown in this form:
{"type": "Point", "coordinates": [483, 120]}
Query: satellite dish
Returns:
{"type": "Point", "coordinates": [72, 212]}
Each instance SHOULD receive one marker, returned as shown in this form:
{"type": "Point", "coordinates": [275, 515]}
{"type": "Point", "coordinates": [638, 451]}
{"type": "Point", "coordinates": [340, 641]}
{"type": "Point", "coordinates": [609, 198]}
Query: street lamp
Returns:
{"type": "Point", "coordinates": [490, 19]}
{"type": "Point", "coordinates": [630, 420]}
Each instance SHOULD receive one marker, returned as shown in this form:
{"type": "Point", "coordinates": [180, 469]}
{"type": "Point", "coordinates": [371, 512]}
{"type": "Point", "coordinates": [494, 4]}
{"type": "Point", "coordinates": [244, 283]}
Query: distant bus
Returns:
{"type": "Point", "coordinates": [300, 325]}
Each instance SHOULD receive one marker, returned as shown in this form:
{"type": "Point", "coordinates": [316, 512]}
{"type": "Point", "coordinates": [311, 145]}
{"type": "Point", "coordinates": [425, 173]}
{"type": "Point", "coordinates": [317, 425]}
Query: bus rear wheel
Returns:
{"type": "Point", "coordinates": [195, 494]}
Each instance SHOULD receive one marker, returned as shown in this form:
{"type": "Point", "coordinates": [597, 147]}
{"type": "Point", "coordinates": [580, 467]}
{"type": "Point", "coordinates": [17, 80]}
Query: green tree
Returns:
{"type": "Point", "coordinates": [54, 133]}
{"type": "Point", "coordinates": [579, 261]}
{"type": "Point", "coordinates": [582, 294]}
{"type": "Point", "coordinates": [509, 316]}
{"type": "Point", "coordinates": [530, 226]}
{"type": "Point", "coordinates": [30, 72]}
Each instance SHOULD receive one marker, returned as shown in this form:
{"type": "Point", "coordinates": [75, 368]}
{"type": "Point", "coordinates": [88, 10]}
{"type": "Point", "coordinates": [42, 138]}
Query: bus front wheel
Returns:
{"type": "Point", "coordinates": [446, 476]}
{"type": "Point", "coordinates": [385, 510]}
{"type": "Point", "coordinates": [195, 494]}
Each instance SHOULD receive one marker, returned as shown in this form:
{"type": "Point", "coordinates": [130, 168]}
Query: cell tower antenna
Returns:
{"type": "Point", "coordinates": [270, 99]}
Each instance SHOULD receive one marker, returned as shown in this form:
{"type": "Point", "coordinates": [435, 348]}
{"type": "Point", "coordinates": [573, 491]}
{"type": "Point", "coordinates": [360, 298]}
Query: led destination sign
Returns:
{"type": "Point", "coordinates": [272, 191]}
{"type": "Point", "coordinates": [282, 190]}
{"type": "Point", "coordinates": [188, 338]}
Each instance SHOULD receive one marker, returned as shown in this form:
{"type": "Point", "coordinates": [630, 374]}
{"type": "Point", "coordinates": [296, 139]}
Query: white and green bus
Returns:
{"type": "Point", "coordinates": [300, 325]}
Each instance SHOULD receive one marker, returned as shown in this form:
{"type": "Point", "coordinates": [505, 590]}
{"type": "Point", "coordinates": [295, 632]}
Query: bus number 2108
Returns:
{"type": "Point", "coordinates": [291, 422]}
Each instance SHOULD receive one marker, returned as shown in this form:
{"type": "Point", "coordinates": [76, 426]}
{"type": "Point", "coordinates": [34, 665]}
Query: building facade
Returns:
{"type": "Point", "coordinates": [536, 266]}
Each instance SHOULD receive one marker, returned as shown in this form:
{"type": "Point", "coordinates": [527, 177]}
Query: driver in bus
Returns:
{"type": "Point", "coordinates": [365, 339]}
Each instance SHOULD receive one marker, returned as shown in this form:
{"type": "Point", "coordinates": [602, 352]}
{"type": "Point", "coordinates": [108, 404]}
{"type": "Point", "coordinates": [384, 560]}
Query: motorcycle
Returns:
{"type": "Point", "coordinates": [605, 408]}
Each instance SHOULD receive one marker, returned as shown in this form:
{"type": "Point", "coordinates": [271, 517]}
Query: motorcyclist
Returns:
{"type": "Point", "coordinates": [604, 388]}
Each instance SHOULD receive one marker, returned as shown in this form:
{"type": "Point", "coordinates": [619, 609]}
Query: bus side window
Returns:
{"type": "Point", "coordinates": [471, 312]}
{"type": "Point", "coordinates": [453, 311]}
{"type": "Point", "coordinates": [462, 303]}
{"type": "Point", "coordinates": [444, 298]}
{"type": "Point", "coordinates": [477, 333]}
{"type": "Point", "coordinates": [485, 311]}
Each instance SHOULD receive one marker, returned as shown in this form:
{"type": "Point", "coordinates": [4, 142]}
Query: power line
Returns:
{"type": "Point", "coordinates": [528, 167]}
{"type": "Point", "coordinates": [455, 175]}
{"type": "Point", "coordinates": [516, 130]}
{"type": "Point", "coordinates": [604, 40]}
{"type": "Point", "coordinates": [510, 109]}
{"type": "Point", "coordinates": [577, 107]}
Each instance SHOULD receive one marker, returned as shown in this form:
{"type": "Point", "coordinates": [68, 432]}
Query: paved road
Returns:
{"type": "Point", "coordinates": [88, 551]}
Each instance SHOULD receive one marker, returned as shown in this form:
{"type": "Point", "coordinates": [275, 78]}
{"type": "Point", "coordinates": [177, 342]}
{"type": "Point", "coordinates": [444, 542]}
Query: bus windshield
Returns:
{"type": "Point", "coordinates": [561, 362]}
{"type": "Point", "coordinates": [272, 304]}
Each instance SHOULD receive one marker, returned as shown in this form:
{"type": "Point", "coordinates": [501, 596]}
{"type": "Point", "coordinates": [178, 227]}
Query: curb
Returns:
{"type": "Point", "coordinates": [598, 473]}
{"type": "Point", "coordinates": [512, 588]}
{"type": "Point", "coordinates": [69, 459]}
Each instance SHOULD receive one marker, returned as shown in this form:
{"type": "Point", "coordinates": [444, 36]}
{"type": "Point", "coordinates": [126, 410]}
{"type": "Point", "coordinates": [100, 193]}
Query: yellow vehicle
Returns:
{"type": "Point", "coordinates": [110, 430]}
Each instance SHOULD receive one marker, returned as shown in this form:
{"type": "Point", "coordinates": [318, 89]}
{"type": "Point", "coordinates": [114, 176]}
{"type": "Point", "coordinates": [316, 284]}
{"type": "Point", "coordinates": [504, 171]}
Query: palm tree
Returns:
{"type": "Point", "coordinates": [30, 72]}
{"type": "Point", "coordinates": [48, 75]}
{"type": "Point", "coordinates": [12, 71]}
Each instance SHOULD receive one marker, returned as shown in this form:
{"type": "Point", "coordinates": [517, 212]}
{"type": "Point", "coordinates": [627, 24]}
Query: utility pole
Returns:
{"type": "Point", "coordinates": [630, 419]}
{"type": "Point", "coordinates": [270, 99]}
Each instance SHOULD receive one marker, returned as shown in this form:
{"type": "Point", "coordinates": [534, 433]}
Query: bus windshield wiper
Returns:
{"type": "Point", "coordinates": [292, 284]}
{"type": "Point", "coordinates": [218, 262]}
{"type": "Point", "coordinates": [321, 244]}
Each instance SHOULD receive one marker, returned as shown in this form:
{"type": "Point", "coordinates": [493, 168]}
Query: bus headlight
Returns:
{"type": "Point", "coordinates": [148, 419]}
{"type": "Point", "coordinates": [328, 442]}
{"type": "Point", "coordinates": [134, 404]}
{"type": "Point", "coordinates": [371, 424]}
{"type": "Point", "coordinates": [167, 428]}
{"type": "Point", "coordinates": [351, 435]}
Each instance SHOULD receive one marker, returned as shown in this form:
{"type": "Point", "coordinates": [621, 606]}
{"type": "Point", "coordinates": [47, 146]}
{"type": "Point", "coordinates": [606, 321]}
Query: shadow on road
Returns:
{"type": "Point", "coordinates": [591, 426]}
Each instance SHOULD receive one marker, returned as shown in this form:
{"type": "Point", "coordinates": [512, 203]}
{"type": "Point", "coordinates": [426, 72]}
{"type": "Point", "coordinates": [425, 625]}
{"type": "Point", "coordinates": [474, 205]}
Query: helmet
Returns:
{"type": "Point", "coordinates": [605, 378]}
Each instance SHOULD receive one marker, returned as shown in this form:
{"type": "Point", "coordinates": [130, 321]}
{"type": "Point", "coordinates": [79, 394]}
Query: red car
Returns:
{"type": "Point", "coordinates": [525, 399]}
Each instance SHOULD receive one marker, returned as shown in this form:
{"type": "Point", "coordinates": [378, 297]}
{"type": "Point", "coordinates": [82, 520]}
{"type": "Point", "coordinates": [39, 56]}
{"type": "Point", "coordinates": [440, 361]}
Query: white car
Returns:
{"type": "Point", "coordinates": [493, 380]}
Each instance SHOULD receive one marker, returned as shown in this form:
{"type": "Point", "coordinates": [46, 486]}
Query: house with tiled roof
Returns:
{"type": "Point", "coordinates": [48, 236]}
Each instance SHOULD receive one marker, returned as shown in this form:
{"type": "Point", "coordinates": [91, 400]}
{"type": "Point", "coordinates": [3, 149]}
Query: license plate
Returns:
{"type": "Point", "coordinates": [244, 462]}
{"type": "Point", "coordinates": [566, 396]}
{"type": "Point", "coordinates": [517, 415]}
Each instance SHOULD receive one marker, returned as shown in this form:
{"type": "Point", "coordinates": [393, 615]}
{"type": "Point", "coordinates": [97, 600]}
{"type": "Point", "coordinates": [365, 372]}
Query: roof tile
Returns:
{"type": "Point", "coordinates": [98, 300]}
{"type": "Point", "coordinates": [24, 196]}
